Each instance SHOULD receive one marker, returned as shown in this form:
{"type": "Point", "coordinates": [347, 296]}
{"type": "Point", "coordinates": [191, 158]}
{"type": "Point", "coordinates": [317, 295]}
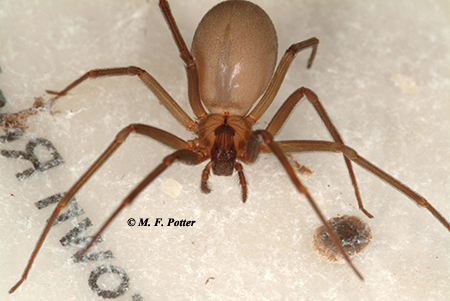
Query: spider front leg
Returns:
{"type": "Point", "coordinates": [254, 149]}
{"type": "Point", "coordinates": [185, 156]}
{"type": "Point", "coordinates": [182, 154]}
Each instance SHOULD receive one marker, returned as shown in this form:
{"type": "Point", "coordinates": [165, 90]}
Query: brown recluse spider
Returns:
{"type": "Point", "coordinates": [232, 64]}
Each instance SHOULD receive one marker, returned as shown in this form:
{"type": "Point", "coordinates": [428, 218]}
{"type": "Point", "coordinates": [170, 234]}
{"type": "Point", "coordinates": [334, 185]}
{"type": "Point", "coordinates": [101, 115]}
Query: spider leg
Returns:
{"type": "Point", "coordinates": [183, 154]}
{"type": "Point", "coordinates": [147, 79]}
{"type": "Point", "coordinates": [191, 68]}
{"type": "Point", "coordinates": [254, 149]}
{"type": "Point", "coordinates": [280, 73]}
{"type": "Point", "coordinates": [283, 113]}
{"type": "Point", "coordinates": [327, 146]}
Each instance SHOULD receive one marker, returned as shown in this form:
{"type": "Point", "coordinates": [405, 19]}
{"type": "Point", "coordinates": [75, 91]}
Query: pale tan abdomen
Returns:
{"type": "Point", "coordinates": [235, 56]}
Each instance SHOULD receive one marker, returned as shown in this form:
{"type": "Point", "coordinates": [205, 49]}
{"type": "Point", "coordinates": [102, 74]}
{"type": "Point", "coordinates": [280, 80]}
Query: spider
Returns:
{"type": "Point", "coordinates": [227, 75]}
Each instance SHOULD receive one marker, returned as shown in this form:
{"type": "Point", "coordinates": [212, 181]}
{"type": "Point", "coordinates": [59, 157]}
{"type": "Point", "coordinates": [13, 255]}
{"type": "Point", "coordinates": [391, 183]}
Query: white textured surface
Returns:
{"type": "Point", "coordinates": [382, 72]}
